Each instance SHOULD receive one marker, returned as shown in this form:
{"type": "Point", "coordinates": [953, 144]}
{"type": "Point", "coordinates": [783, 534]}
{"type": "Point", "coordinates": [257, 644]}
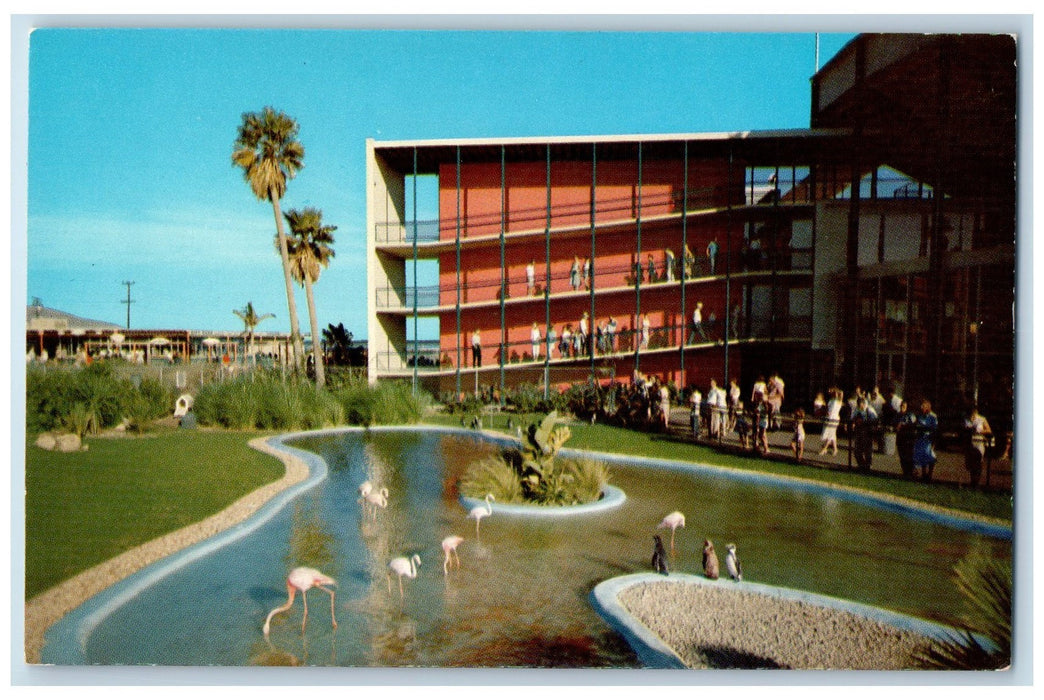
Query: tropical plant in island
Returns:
{"type": "Point", "coordinates": [535, 473]}
{"type": "Point", "coordinates": [984, 640]}
{"type": "Point", "coordinates": [309, 247]}
{"type": "Point", "coordinates": [267, 150]}
{"type": "Point", "coordinates": [250, 319]}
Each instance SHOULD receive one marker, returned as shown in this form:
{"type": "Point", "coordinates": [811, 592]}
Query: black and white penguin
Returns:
{"type": "Point", "coordinates": [732, 563]}
{"type": "Point", "coordinates": [659, 557]}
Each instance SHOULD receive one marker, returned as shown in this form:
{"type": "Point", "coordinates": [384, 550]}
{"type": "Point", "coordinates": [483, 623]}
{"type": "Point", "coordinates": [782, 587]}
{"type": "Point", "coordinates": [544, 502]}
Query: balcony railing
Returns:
{"type": "Point", "coordinates": [624, 343]}
{"type": "Point", "coordinates": [516, 286]}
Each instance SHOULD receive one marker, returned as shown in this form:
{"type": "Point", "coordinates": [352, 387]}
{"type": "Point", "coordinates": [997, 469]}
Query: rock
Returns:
{"type": "Point", "coordinates": [189, 420]}
{"type": "Point", "coordinates": [46, 441]}
{"type": "Point", "coordinates": [183, 405]}
{"type": "Point", "coordinates": [68, 443]}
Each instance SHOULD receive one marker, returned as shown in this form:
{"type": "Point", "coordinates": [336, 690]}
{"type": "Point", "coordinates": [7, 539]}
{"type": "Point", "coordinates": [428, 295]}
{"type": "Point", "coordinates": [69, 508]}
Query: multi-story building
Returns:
{"type": "Point", "coordinates": [876, 246]}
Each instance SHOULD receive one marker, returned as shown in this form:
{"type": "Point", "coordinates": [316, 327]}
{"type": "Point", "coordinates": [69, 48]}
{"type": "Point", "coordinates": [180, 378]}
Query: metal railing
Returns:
{"type": "Point", "coordinates": [429, 357]}
{"type": "Point", "coordinates": [747, 260]}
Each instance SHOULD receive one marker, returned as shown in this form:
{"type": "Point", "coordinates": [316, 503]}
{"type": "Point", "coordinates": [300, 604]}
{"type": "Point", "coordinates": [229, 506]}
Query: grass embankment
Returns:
{"type": "Point", "coordinates": [83, 508]}
{"type": "Point", "coordinates": [604, 438]}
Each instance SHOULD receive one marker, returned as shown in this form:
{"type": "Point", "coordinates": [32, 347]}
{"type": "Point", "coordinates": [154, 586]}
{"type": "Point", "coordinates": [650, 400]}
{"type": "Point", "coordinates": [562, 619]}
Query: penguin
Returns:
{"type": "Point", "coordinates": [710, 560]}
{"type": "Point", "coordinates": [732, 563]}
{"type": "Point", "coordinates": [659, 557]}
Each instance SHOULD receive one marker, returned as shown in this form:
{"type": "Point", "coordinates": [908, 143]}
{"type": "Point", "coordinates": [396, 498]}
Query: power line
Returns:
{"type": "Point", "coordinates": [128, 301]}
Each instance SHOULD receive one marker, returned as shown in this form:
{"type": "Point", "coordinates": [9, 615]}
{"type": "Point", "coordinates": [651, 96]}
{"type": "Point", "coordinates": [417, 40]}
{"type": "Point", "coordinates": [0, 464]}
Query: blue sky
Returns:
{"type": "Point", "coordinates": [131, 132]}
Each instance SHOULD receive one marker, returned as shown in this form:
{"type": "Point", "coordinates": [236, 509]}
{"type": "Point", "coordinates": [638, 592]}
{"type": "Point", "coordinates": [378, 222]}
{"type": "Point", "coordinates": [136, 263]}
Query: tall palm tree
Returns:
{"type": "Point", "coordinates": [310, 251]}
{"type": "Point", "coordinates": [268, 152]}
{"type": "Point", "coordinates": [250, 320]}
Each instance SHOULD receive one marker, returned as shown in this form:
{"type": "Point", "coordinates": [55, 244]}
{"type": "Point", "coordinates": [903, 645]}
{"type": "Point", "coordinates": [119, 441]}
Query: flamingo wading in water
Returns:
{"type": "Point", "coordinates": [449, 548]}
{"type": "Point", "coordinates": [478, 512]}
{"type": "Point", "coordinates": [404, 567]}
{"type": "Point", "coordinates": [301, 579]}
{"type": "Point", "coordinates": [674, 521]}
{"type": "Point", "coordinates": [374, 500]}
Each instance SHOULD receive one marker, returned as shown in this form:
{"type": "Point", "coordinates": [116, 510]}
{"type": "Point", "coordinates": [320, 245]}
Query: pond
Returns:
{"type": "Point", "coordinates": [520, 597]}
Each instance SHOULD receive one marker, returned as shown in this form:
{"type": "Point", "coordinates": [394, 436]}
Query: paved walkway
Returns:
{"type": "Point", "coordinates": [949, 467]}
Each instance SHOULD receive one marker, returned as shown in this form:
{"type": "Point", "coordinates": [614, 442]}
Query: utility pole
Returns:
{"type": "Point", "coordinates": [128, 302]}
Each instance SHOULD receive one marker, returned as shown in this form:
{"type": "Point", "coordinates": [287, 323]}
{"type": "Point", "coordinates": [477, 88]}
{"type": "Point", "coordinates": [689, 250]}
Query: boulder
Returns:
{"type": "Point", "coordinates": [46, 441]}
{"type": "Point", "coordinates": [68, 442]}
{"type": "Point", "coordinates": [183, 405]}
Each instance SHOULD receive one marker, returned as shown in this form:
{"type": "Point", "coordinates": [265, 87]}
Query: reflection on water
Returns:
{"type": "Point", "coordinates": [520, 597]}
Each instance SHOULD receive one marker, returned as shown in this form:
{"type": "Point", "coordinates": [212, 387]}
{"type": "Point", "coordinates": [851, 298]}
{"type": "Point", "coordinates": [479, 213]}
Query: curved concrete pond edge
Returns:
{"type": "Point", "coordinates": [653, 652]}
{"type": "Point", "coordinates": [59, 621]}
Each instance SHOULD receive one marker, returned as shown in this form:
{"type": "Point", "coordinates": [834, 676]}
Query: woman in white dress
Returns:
{"type": "Point", "coordinates": [828, 440]}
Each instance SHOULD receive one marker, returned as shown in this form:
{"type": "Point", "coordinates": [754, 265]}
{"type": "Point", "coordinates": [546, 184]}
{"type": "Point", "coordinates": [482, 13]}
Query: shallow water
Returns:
{"type": "Point", "coordinates": [520, 597]}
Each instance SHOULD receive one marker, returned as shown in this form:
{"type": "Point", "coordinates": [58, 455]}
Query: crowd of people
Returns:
{"type": "Point", "coordinates": [867, 417]}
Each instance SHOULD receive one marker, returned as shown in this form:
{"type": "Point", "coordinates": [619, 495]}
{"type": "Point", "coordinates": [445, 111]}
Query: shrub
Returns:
{"type": "Point", "coordinates": [535, 472]}
{"type": "Point", "coordinates": [493, 475]}
{"type": "Point", "coordinates": [80, 420]}
{"type": "Point", "coordinates": [385, 403]}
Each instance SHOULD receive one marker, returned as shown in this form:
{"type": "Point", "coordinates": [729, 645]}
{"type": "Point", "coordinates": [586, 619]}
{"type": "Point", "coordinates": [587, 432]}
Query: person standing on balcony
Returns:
{"type": "Point", "coordinates": [566, 345]}
{"type": "Point", "coordinates": [531, 280]}
{"type": "Point", "coordinates": [574, 274]}
{"type": "Point", "coordinates": [534, 339]}
{"type": "Point", "coordinates": [552, 340]}
{"type": "Point", "coordinates": [689, 261]}
{"type": "Point", "coordinates": [646, 330]}
{"type": "Point", "coordinates": [668, 264]}
{"type": "Point", "coordinates": [736, 321]}
{"type": "Point", "coordinates": [476, 348]}
{"type": "Point", "coordinates": [697, 324]}
{"type": "Point", "coordinates": [583, 337]}
{"type": "Point", "coordinates": [610, 334]}
{"type": "Point", "coordinates": [652, 269]}
{"type": "Point", "coordinates": [712, 255]}
{"type": "Point", "coordinates": [585, 273]}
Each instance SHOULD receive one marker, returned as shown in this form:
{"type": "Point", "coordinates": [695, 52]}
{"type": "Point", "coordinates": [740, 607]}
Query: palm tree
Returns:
{"type": "Point", "coordinates": [269, 153]}
{"type": "Point", "coordinates": [250, 321]}
{"type": "Point", "coordinates": [310, 251]}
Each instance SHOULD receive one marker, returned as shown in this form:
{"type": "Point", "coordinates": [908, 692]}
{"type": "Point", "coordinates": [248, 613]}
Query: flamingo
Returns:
{"type": "Point", "coordinates": [674, 521]}
{"type": "Point", "coordinates": [301, 579]}
{"type": "Point", "coordinates": [478, 512]}
{"type": "Point", "coordinates": [374, 500]}
{"type": "Point", "coordinates": [449, 548]}
{"type": "Point", "coordinates": [404, 567]}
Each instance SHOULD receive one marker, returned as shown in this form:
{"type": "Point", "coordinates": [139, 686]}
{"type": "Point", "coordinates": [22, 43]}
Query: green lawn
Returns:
{"type": "Point", "coordinates": [604, 438]}
{"type": "Point", "coordinates": [83, 508]}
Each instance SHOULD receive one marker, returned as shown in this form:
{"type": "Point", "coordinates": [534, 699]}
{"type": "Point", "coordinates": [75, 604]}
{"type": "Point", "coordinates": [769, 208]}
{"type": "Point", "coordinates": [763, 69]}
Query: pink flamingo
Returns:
{"type": "Point", "coordinates": [301, 579]}
{"type": "Point", "coordinates": [674, 521]}
{"type": "Point", "coordinates": [478, 512]}
{"type": "Point", "coordinates": [374, 500]}
{"type": "Point", "coordinates": [404, 567]}
{"type": "Point", "coordinates": [449, 548]}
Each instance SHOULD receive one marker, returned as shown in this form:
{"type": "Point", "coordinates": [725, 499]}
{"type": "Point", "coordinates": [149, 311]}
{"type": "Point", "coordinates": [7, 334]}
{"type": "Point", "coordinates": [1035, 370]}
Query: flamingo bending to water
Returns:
{"type": "Point", "coordinates": [674, 521]}
{"type": "Point", "coordinates": [404, 567]}
{"type": "Point", "coordinates": [478, 512]}
{"type": "Point", "coordinates": [301, 579]}
{"type": "Point", "coordinates": [449, 548]}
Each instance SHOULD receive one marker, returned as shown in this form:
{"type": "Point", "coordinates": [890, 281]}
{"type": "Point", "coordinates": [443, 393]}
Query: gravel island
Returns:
{"type": "Point", "coordinates": [715, 627]}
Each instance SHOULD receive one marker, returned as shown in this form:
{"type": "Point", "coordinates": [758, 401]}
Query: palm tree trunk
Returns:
{"type": "Point", "coordinates": [317, 355]}
{"type": "Point", "coordinates": [291, 303]}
